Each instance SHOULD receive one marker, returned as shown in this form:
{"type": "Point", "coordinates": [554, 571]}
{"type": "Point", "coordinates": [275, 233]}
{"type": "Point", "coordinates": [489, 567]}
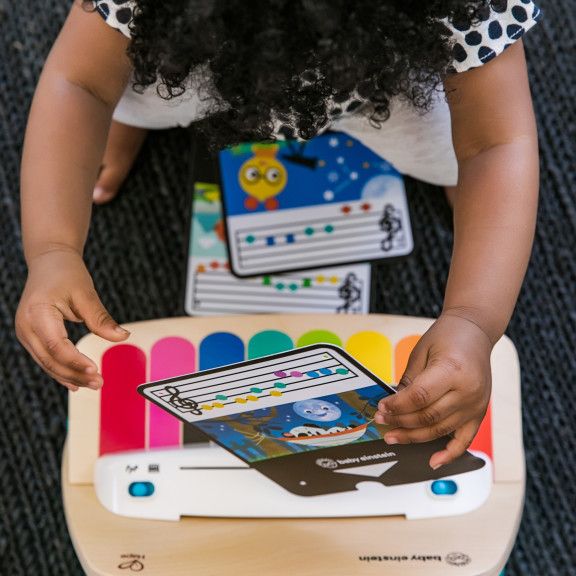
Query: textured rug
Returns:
{"type": "Point", "coordinates": [147, 282]}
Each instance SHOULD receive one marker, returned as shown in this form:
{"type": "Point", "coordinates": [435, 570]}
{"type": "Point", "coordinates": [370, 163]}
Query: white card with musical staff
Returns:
{"type": "Point", "coordinates": [293, 376]}
{"type": "Point", "coordinates": [212, 289]}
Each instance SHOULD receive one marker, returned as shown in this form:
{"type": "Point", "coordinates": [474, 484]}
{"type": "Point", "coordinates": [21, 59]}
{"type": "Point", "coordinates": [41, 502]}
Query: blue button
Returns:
{"type": "Point", "coordinates": [444, 487]}
{"type": "Point", "coordinates": [141, 489]}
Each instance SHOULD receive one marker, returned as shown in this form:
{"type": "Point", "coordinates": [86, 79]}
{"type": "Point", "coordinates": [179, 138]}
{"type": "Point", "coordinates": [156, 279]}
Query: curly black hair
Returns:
{"type": "Point", "coordinates": [293, 61]}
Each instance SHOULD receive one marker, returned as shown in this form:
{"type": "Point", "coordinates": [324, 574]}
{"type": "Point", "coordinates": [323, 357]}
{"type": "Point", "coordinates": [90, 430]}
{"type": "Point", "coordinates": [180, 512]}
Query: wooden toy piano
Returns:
{"type": "Point", "coordinates": [476, 543]}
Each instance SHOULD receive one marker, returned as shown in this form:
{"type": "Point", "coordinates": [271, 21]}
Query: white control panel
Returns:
{"type": "Point", "coordinates": [206, 480]}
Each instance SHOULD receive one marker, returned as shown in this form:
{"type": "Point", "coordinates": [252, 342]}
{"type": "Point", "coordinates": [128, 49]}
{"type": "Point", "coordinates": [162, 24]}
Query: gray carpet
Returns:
{"type": "Point", "coordinates": [146, 281]}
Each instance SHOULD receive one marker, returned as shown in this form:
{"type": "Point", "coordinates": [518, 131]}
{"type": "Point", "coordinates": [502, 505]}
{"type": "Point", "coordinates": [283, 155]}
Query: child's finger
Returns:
{"type": "Point", "coordinates": [425, 389]}
{"type": "Point", "coordinates": [47, 366]}
{"type": "Point", "coordinates": [89, 307]}
{"type": "Point", "coordinates": [416, 364]}
{"type": "Point", "coordinates": [425, 418]}
{"type": "Point", "coordinates": [461, 441]}
{"type": "Point", "coordinates": [416, 435]}
{"type": "Point", "coordinates": [61, 371]}
{"type": "Point", "coordinates": [49, 328]}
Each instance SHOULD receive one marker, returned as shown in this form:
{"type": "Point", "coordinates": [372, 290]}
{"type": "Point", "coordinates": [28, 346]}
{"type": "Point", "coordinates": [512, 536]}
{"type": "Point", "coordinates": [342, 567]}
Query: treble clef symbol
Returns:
{"type": "Point", "coordinates": [391, 225]}
{"type": "Point", "coordinates": [350, 291]}
{"type": "Point", "coordinates": [184, 404]}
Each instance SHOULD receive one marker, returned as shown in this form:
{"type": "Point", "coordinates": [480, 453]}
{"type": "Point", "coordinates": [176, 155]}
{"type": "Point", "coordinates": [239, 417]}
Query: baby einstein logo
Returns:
{"type": "Point", "coordinates": [458, 559]}
{"type": "Point", "coordinates": [452, 559]}
{"type": "Point", "coordinates": [327, 463]}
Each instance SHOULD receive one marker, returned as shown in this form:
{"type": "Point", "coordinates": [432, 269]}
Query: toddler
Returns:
{"type": "Point", "coordinates": [437, 88]}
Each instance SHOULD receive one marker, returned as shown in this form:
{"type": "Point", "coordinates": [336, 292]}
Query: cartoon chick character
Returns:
{"type": "Point", "coordinates": [262, 177]}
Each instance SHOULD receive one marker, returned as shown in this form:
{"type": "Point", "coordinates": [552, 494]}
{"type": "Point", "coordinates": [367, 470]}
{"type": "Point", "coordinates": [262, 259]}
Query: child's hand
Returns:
{"type": "Point", "coordinates": [445, 389]}
{"type": "Point", "coordinates": [59, 288]}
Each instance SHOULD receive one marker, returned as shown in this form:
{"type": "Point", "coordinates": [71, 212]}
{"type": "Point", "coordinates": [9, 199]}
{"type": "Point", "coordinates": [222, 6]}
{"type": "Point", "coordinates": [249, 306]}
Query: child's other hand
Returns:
{"type": "Point", "coordinates": [445, 389]}
{"type": "Point", "coordinates": [60, 288]}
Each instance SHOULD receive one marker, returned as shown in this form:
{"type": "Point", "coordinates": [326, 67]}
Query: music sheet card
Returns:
{"type": "Point", "coordinates": [297, 205]}
{"type": "Point", "coordinates": [212, 289]}
{"type": "Point", "coordinates": [303, 418]}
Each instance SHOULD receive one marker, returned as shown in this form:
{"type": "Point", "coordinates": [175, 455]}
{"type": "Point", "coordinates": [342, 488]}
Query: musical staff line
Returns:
{"type": "Point", "coordinates": [349, 255]}
{"type": "Point", "coordinates": [215, 289]}
{"type": "Point", "coordinates": [287, 227]}
{"type": "Point", "coordinates": [254, 379]}
{"type": "Point", "coordinates": [263, 368]}
{"type": "Point", "coordinates": [214, 403]}
{"type": "Point", "coordinates": [319, 244]}
{"type": "Point", "coordinates": [258, 384]}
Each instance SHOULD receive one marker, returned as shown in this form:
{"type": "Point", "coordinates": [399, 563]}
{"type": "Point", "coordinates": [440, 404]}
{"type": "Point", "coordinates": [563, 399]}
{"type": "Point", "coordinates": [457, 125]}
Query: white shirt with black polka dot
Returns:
{"type": "Point", "coordinates": [504, 22]}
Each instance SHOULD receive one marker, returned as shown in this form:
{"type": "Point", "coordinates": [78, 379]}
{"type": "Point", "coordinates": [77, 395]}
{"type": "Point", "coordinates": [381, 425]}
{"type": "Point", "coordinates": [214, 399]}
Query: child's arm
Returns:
{"type": "Point", "coordinates": [83, 78]}
{"type": "Point", "coordinates": [446, 387]}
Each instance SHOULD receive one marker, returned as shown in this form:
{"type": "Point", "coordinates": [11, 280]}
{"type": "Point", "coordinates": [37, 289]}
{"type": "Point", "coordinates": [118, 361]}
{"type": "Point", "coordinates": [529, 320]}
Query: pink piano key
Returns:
{"type": "Point", "coordinates": [169, 357]}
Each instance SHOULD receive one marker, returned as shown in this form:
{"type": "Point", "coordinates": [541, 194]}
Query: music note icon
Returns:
{"type": "Point", "coordinates": [183, 404]}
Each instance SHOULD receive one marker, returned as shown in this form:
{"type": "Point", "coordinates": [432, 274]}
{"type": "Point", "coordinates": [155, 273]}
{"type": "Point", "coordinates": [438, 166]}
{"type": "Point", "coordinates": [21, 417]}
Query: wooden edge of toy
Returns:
{"type": "Point", "coordinates": [475, 544]}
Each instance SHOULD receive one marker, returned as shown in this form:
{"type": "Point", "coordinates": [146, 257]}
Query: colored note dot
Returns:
{"type": "Point", "coordinates": [218, 405]}
{"type": "Point", "coordinates": [325, 371]}
{"type": "Point", "coordinates": [266, 281]}
{"type": "Point", "coordinates": [252, 398]}
{"type": "Point", "coordinates": [270, 241]}
{"type": "Point", "coordinates": [329, 228]}
{"type": "Point", "coordinates": [256, 390]}
{"type": "Point", "coordinates": [250, 239]}
{"type": "Point", "coordinates": [296, 374]}
{"type": "Point", "coordinates": [201, 268]}
{"type": "Point", "coordinates": [341, 371]}
{"type": "Point", "coordinates": [206, 407]}
{"type": "Point", "coordinates": [293, 287]}
{"type": "Point", "coordinates": [312, 374]}
{"type": "Point", "coordinates": [280, 374]}
{"type": "Point", "coordinates": [320, 279]}
{"type": "Point", "coordinates": [279, 385]}
{"type": "Point", "coordinates": [309, 231]}
{"type": "Point", "coordinates": [275, 393]}
{"type": "Point", "coordinates": [241, 400]}
{"type": "Point", "coordinates": [307, 282]}
{"type": "Point", "coordinates": [280, 286]}
{"type": "Point", "coordinates": [334, 279]}
{"type": "Point", "coordinates": [221, 397]}
{"type": "Point", "coordinates": [289, 238]}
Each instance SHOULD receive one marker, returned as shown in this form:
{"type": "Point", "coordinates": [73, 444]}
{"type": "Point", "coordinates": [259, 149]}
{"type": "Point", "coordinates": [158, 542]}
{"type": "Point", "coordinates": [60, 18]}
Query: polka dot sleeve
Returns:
{"type": "Point", "coordinates": [501, 24]}
{"type": "Point", "coordinates": [116, 13]}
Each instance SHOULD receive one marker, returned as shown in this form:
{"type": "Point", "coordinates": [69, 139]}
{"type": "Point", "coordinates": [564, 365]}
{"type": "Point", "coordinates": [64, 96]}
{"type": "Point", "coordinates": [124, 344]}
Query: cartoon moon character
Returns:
{"type": "Point", "coordinates": [317, 410]}
{"type": "Point", "coordinates": [262, 177]}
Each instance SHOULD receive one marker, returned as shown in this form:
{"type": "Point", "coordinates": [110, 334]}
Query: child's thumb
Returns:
{"type": "Point", "coordinates": [97, 318]}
